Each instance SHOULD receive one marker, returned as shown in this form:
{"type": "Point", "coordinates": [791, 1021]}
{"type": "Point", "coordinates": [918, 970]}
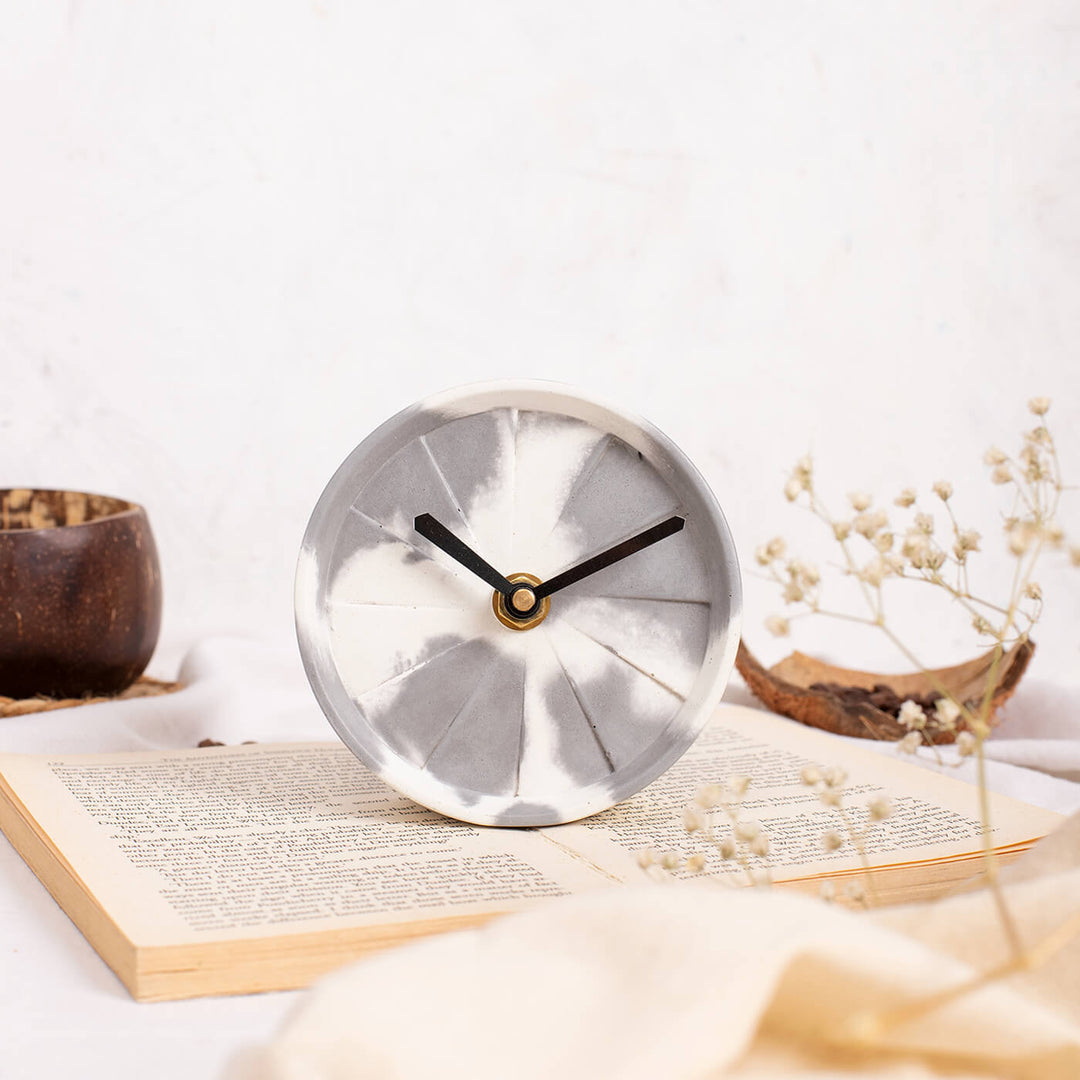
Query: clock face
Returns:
{"type": "Point", "coordinates": [495, 703]}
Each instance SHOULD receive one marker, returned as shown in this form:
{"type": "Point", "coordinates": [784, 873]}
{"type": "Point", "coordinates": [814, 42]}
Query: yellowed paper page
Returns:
{"type": "Point", "coordinates": [215, 844]}
{"type": "Point", "coordinates": [934, 817]}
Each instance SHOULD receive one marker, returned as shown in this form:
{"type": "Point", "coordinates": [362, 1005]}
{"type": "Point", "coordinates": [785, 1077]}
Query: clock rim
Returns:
{"type": "Point", "coordinates": [677, 471]}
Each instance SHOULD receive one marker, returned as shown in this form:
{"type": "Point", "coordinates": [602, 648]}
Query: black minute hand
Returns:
{"type": "Point", "coordinates": [612, 555]}
{"type": "Point", "coordinates": [443, 538]}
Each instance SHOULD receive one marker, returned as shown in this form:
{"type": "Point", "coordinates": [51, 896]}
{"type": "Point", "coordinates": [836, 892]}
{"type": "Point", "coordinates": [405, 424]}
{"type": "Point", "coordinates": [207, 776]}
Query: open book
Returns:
{"type": "Point", "coordinates": [237, 869]}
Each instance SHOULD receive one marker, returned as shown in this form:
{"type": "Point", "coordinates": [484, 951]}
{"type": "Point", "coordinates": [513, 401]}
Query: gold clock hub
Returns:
{"type": "Point", "coordinates": [522, 599]}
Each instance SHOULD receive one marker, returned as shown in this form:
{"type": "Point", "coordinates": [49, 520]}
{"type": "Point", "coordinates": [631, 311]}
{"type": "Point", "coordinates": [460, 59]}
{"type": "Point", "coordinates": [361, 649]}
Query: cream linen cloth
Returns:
{"type": "Point", "coordinates": [685, 981]}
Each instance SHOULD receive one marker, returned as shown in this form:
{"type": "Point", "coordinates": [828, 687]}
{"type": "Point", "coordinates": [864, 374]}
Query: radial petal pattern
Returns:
{"type": "Point", "coordinates": [518, 722]}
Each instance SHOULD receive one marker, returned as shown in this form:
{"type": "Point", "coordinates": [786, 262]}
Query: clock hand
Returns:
{"type": "Point", "coordinates": [443, 538]}
{"type": "Point", "coordinates": [612, 555]}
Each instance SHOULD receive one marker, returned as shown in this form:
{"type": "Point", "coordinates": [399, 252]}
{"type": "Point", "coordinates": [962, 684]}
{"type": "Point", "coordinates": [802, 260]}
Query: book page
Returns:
{"type": "Point", "coordinates": [933, 817]}
{"type": "Point", "coordinates": [236, 842]}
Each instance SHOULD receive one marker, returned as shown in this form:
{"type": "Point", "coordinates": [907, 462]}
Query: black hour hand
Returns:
{"type": "Point", "coordinates": [443, 538]}
{"type": "Point", "coordinates": [612, 555]}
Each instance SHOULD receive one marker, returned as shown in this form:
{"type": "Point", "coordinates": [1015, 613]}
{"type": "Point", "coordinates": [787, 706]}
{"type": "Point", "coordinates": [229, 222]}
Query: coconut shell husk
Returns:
{"type": "Point", "coordinates": [866, 704]}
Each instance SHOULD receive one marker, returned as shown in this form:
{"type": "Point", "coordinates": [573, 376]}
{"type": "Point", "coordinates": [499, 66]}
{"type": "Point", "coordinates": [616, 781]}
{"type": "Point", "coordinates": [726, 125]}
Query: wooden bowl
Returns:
{"type": "Point", "coordinates": [80, 593]}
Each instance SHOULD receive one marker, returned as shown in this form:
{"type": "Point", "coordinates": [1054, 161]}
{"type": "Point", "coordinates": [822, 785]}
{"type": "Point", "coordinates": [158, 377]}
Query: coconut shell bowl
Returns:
{"type": "Point", "coordinates": [80, 594]}
{"type": "Point", "coordinates": [867, 705]}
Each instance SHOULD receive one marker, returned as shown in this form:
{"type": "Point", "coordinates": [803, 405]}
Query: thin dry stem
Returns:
{"type": "Point", "coordinates": [1035, 476]}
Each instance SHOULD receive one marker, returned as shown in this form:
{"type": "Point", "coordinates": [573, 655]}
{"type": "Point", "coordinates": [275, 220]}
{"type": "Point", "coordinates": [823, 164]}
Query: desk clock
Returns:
{"type": "Point", "coordinates": [516, 604]}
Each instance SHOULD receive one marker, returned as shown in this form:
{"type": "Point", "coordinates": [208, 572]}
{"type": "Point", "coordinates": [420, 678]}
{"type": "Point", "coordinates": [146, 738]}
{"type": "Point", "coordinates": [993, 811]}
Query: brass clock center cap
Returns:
{"type": "Point", "coordinates": [520, 610]}
{"type": "Point", "coordinates": [523, 599]}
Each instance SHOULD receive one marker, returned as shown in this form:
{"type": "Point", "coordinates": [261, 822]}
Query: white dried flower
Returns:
{"type": "Point", "coordinates": [966, 540]}
{"type": "Point", "coordinates": [810, 775]}
{"type": "Point", "coordinates": [874, 572]}
{"type": "Point", "coordinates": [759, 846]}
{"type": "Point", "coordinates": [834, 776]}
{"type": "Point", "coordinates": [1035, 466]}
{"type": "Point", "coordinates": [1053, 534]}
{"type": "Point", "coordinates": [909, 743]}
{"type": "Point", "coordinates": [799, 480]}
{"type": "Point", "coordinates": [1039, 435]}
{"type": "Point", "coordinates": [947, 712]}
{"type": "Point", "coordinates": [747, 830]}
{"type": "Point", "coordinates": [841, 530]}
{"type": "Point", "coordinates": [916, 549]}
{"type": "Point", "coordinates": [1020, 537]}
{"type": "Point", "coordinates": [778, 626]}
{"type": "Point", "coordinates": [646, 857]}
{"type": "Point", "coordinates": [859, 500]}
{"type": "Point", "coordinates": [994, 456]}
{"type": "Point", "coordinates": [761, 556]}
{"type": "Point", "coordinates": [893, 562]}
{"type": "Point", "coordinates": [966, 744]}
{"type": "Point", "coordinates": [906, 498]}
{"type": "Point", "coordinates": [692, 818]}
{"type": "Point", "coordinates": [943, 490]}
{"type": "Point", "coordinates": [738, 785]}
{"type": "Point", "coordinates": [776, 547]}
{"type": "Point", "coordinates": [1039, 405]}
{"type": "Point", "coordinates": [793, 592]}
{"type": "Point", "coordinates": [871, 522]}
{"type": "Point", "coordinates": [670, 860]}
{"type": "Point", "coordinates": [831, 840]}
{"type": "Point", "coordinates": [879, 808]}
{"type": "Point", "coordinates": [709, 796]}
{"type": "Point", "coordinates": [912, 716]}
{"type": "Point", "coordinates": [1001, 475]}
{"type": "Point", "coordinates": [696, 862]}
{"type": "Point", "coordinates": [831, 796]}
{"type": "Point", "coordinates": [924, 523]}
{"type": "Point", "coordinates": [935, 559]}
{"type": "Point", "coordinates": [883, 541]}
{"type": "Point", "coordinates": [1033, 591]}
{"type": "Point", "coordinates": [982, 626]}
{"type": "Point", "coordinates": [805, 573]}
{"type": "Point", "coordinates": [727, 848]}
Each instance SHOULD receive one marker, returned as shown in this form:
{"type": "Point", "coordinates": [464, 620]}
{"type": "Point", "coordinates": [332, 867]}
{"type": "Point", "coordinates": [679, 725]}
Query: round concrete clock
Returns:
{"type": "Point", "coordinates": [516, 604]}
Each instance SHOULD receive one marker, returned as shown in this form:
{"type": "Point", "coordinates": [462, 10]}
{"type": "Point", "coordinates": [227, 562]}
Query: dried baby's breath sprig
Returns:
{"type": "Point", "coordinates": [828, 783]}
{"type": "Point", "coordinates": [875, 551]}
{"type": "Point", "coordinates": [714, 816]}
{"type": "Point", "coordinates": [657, 864]}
